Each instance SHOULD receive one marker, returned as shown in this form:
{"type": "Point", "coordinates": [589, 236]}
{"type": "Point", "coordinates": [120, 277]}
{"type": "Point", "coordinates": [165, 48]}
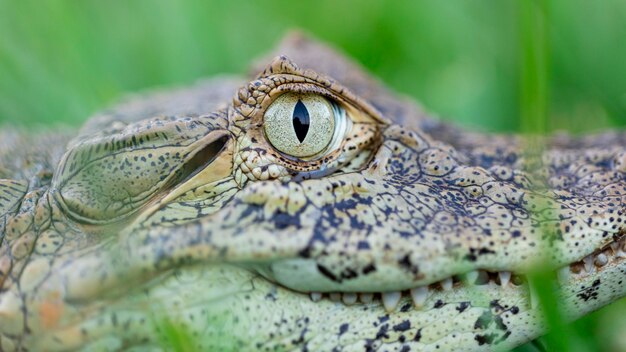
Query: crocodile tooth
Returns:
{"type": "Point", "coordinates": [419, 295]}
{"type": "Point", "coordinates": [390, 300]}
{"type": "Point", "coordinates": [477, 277]}
{"type": "Point", "coordinates": [315, 296]}
{"type": "Point", "coordinates": [471, 276]}
{"type": "Point", "coordinates": [563, 274]}
{"type": "Point", "coordinates": [366, 297]}
{"type": "Point", "coordinates": [483, 277]}
{"type": "Point", "coordinates": [505, 277]}
{"type": "Point", "coordinates": [614, 247]}
{"type": "Point", "coordinates": [335, 296]}
{"type": "Point", "coordinates": [601, 260]}
{"type": "Point", "coordinates": [588, 261]}
{"type": "Point", "coordinates": [349, 298]}
{"type": "Point", "coordinates": [517, 280]}
{"type": "Point", "coordinates": [446, 284]}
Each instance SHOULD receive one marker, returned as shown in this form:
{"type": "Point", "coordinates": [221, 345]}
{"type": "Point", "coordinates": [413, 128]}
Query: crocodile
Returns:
{"type": "Point", "coordinates": [305, 208]}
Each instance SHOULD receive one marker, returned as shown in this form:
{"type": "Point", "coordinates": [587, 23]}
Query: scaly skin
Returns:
{"type": "Point", "coordinates": [173, 207]}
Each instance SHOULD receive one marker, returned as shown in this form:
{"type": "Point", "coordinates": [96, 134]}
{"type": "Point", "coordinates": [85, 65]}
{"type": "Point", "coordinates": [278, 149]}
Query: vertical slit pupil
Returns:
{"type": "Point", "coordinates": [300, 120]}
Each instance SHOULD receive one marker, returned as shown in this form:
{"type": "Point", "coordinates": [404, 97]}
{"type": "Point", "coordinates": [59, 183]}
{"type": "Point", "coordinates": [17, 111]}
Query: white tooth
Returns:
{"type": "Point", "coordinates": [419, 296]}
{"type": "Point", "coordinates": [601, 259]}
{"type": "Point", "coordinates": [335, 296]}
{"type": "Point", "coordinates": [614, 247]}
{"type": "Point", "coordinates": [563, 274]}
{"type": "Point", "coordinates": [478, 277]}
{"type": "Point", "coordinates": [483, 277]}
{"type": "Point", "coordinates": [315, 296]}
{"type": "Point", "coordinates": [446, 284]}
{"type": "Point", "coordinates": [588, 261]}
{"type": "Point", "coordinates": [505, 277]}
{"type": "Point", "coordinates": [472, 276]}
{"type": "Point", "coordinates": [349, 298]}
{"type": "Point", "coordinates": [620, 254]}
{"type": "Point", "coordinates": [390, 300]}
{"type": "Point", "coordinates": [366, 297]}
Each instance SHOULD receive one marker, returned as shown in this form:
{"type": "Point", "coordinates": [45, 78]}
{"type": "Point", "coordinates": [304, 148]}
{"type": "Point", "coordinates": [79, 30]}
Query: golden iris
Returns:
{"type": "Point", "coordinates": [300, 124]}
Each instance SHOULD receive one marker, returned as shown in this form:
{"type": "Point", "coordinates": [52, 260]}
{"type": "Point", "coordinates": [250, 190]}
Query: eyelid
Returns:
{"type": "Point", "coordinates": [282, 74]}
{"type": "Point", "coordinates": [359, 110]}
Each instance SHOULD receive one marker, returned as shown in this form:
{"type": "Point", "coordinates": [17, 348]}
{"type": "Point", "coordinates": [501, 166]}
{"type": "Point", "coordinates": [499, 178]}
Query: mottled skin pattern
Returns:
{"type": "Point", "coordinates": [174, 207]}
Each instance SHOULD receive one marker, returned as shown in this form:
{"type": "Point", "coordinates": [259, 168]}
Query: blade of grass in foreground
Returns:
{"type": "Point", "coordinates": [174, 335]}
{"type": "Point", "coordinates": [534, 87]}
{"type": "Point", "coordinates": [534, 97]}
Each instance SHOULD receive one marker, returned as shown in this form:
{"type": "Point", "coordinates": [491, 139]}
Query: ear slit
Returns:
{"type": "Point", "coordinates": [201, 159]}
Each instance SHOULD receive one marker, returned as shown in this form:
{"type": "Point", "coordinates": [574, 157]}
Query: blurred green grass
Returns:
{"type": "Point", "coordinates": [62, 60]}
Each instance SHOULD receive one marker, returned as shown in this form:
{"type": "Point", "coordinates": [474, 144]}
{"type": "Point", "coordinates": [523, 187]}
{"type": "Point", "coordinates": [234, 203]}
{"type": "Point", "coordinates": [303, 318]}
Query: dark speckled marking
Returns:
{"type": "Point", "coordinates": [403, 326]}
{"type": "Point", "coordinates": [343, 328]}
{"type": "Point", "coordinates": [589, 293]}
{"type": "Point", "coordinates": [462, 306]}
{"type": "Point", "coordinates": [485, 339]}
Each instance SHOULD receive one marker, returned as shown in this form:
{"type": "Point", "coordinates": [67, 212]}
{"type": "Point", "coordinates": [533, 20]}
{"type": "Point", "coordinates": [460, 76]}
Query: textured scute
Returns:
{"type": "Point", "coordinates": [202, 97]}
{"type": "Point", "coordinates": [110, 174]}
{"type": "Point", "coordinates": [142, 228]}
{"type": "Point", "coordinates": [411, 224]}
{"type": "Point", "coordinates": [32, 156]}
{"type": "Point", "coordinates": [11, 194]}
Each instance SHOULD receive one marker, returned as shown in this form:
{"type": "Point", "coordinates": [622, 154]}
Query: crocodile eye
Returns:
{"type": "Point", "coordinates": [301, 124]}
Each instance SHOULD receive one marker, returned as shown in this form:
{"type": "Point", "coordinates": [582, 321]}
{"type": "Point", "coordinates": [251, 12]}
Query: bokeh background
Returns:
{"type": "Point", "coordinates": [60, 61]}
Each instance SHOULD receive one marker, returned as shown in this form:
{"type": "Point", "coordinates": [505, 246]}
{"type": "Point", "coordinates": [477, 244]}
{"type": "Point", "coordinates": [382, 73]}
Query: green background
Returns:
{"type": "Point", "coordinates": [60, 61]}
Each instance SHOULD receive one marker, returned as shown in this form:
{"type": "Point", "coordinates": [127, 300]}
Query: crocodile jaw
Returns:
{"type": "Point", "coordinates": [219, 306]}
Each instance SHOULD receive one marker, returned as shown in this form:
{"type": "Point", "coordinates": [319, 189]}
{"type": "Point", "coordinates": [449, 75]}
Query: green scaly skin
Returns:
{"type": "Point", "coordinates": [173, 207]}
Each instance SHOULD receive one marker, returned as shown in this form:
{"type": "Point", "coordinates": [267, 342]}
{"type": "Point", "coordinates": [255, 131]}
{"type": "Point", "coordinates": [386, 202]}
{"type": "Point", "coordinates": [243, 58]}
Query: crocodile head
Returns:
{"type": "Point", "coordinates": [314, 211]}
